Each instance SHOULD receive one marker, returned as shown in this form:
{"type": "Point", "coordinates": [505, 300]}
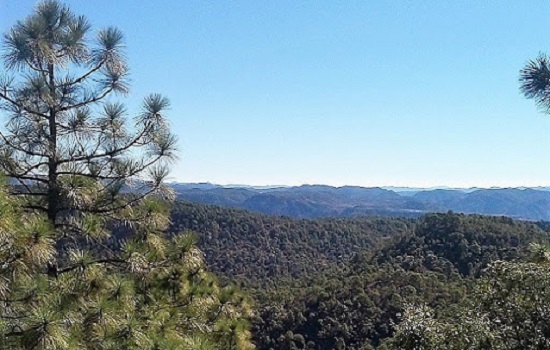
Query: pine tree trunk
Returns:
{"type": "Point", "coordinates": [53, 188]}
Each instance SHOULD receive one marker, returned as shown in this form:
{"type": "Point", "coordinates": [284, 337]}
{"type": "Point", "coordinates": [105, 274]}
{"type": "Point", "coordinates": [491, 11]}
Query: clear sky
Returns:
{"type": "Point", "coordinates": [371, 93]}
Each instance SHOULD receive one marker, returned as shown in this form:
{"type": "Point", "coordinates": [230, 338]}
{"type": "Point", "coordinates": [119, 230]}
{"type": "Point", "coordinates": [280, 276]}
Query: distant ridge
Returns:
{"type": "Point", "coordinates": [315, 201]}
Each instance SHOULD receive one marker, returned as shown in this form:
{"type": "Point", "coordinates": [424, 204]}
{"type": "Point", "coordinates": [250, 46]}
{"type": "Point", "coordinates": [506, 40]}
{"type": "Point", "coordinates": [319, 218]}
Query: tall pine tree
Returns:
{"type": "Point", "coordinates": [77, 168]}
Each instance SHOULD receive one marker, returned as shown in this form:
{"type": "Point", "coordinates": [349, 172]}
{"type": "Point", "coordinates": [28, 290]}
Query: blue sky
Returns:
{"type": "Point", "coordinates": [372, 93]}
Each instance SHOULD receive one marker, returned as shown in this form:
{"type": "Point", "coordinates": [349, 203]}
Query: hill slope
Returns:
{"type": "Point", "coordinates": [246, 246]}
{"type": "Point", "coordinates": [344, 281]}
{"type": "Point", "coordinates": [355, 306]}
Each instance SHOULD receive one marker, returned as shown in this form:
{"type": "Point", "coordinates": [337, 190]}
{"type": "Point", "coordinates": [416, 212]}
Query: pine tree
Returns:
{"type": "Point", "coordinates": [77, 169]}
{"type": "Point", "coordinates": [69, 146]}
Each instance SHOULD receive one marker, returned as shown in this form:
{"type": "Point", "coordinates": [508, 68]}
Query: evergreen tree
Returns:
{"type": "Point", "coordinates": [70, 147]}
{"type": "Point", "coordinates": [78, 168]}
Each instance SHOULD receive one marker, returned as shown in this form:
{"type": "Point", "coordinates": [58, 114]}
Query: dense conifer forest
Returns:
{"type": "Point", "coordinates": [346, 283]}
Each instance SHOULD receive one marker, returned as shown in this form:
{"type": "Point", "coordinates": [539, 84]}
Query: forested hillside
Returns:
{"type": "Point", "coordinates": [342, 283]}
{"type": "Point", "coordinates": [259, 248]}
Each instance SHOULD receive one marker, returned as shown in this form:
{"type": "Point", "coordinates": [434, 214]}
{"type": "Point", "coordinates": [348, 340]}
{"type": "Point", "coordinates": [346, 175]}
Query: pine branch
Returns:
{"type": "Point", "coordinates": [84, 76]}
{"type": "Point", "coordinates": [94, 262]}
{"type": "Point", "coordinates": [30, 178]}
{"type": "Point", "coordinates": [135, 141]}
{"type": "Point", "coordinates": [35, 207]}
{"type": "Point", "coordinates": [20, 106]}
{"type": "Point", "coordinates": [87, 102]}
{"type": "Point", "coordinates": [17, 148]}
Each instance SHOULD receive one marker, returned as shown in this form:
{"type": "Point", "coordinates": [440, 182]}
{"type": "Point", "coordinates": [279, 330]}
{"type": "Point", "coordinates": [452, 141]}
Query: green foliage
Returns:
{"type": "Point", "coordinates": [461, 243]}
{"type": "Point", "coordinates": [329, 283]}
{"type": "Point", "coordinates": [154, 294]}
{"type": "Point", "coordinates": [259, 249]}
{"type": "Point", "coordinates": [361, 303]}
{"type": "Point", "coordinates": [420, 330]}
{"type": "Point", "coordinates": [357, 307]}
{"type": "Point", "coordinates": [508, 309]}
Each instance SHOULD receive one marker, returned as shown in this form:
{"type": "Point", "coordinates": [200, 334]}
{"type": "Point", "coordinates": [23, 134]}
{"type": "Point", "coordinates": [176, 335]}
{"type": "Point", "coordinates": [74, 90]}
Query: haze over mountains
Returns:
{"type": "Point", "coordinates": [315, 201]}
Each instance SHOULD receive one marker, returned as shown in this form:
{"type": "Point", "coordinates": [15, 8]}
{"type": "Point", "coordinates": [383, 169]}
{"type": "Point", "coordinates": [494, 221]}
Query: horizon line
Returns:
{"type": "Point", "coordinates": [434, 187]}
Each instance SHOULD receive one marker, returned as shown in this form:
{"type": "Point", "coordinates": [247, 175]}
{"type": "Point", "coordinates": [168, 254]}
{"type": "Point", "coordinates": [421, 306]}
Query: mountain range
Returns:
{"type": "Point", "coordinates": [316, 201]}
